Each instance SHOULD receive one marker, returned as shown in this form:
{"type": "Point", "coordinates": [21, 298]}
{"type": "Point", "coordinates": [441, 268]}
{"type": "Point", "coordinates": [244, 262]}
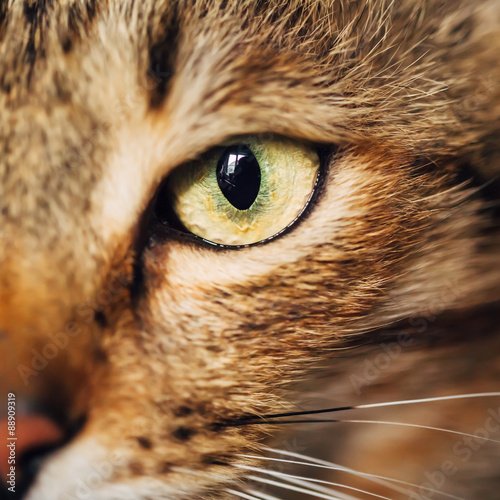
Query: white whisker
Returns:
{"type": "Point", "coordinates": [314, 462]}
{"type": "Point", "coordinates": [260, 495]}
{"type": "Point", "coordinates": [241, 494]}
{"type": "Point", "coordinates": [310, 484]}
{"type": "Point", "coordinates": [293, 488]}
{"type": "Point", "coordinates": [330, 466]}
{"type": "Point", "coordinates": [301, 480]}
{"type": "Point", "coordinates": [418, 426]}
{"type": "Point", "coordinates": [428, 400]}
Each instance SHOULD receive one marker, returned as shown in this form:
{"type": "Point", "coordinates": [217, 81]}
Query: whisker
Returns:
{"type": "Point", "coordinates": [246, 420]}
{"type": "Point", "coordinates": [321, 489]}
{"type": "Point", "coordinates": [242, 423]}
{"type": "Point", "coordinates": [308, 412]}
{"type": "Point", "coordinates": [429, 400]}
{"type": "Point", "coordinates": [384, 481]}
{"type": "Point", "coordinates": [241, 494]}
{"type": "Point", "coordinates": [293, 488]}
{"type": "Point", "coordinates": [382, 422]}
{"type": "Point", "coordinates": [304, 480]}
{"type": "Point", "coordinates": [418, 426]}
{"type": "Point", "coordinates": [314, 462]}
{"type": "Point", "coordinates": [331, 466]}
{"type": "Point", "coordinates": [260, 495]}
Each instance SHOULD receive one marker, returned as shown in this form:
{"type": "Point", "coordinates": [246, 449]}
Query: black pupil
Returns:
{"type": "Point", "coordinates": [238, 176]}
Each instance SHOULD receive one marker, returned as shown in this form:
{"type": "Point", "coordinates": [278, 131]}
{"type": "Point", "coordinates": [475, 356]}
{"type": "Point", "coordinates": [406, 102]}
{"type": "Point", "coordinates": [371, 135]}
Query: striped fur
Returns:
{"type": "Point", "coordinates": [168, 338]}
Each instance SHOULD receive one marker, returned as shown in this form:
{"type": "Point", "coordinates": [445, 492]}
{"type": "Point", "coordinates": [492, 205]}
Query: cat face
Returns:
{"type": "Point", "coordinates": [155, 349]}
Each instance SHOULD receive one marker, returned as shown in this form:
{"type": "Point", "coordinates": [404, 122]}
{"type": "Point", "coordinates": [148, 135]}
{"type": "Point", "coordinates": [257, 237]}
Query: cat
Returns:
{"type": "Point", "coordinates": [218, 217]}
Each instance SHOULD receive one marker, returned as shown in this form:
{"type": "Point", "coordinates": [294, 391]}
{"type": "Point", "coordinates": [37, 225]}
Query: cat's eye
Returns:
{"type": "Point", "coordinates": [242, 192]}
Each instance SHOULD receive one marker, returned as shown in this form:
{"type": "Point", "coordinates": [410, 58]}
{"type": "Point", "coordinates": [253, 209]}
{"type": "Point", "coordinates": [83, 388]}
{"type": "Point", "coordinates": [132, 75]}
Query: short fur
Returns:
{"type": "Point", "coordinates": [169, 338]}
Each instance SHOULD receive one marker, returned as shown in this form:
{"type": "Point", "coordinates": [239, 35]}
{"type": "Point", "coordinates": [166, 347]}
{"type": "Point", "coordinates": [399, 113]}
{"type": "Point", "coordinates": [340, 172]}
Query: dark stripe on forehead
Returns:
{"type": "Point", "coordinates": [163, 35]}
{"type": "Point", "coordinates": [3, 17]}
{"type": "Point", "coordinates": [34, 10]}
{"type": "Point", "coordinates": [35, 14]}
{"type": "Point", "coordinates": [79, 19]}
{"type": "Point", "coordinates": [171, 23]}
{"type": "Point", "coordinates": [81, 16]}
{"type": "Point", "coordinates": [72, 21]}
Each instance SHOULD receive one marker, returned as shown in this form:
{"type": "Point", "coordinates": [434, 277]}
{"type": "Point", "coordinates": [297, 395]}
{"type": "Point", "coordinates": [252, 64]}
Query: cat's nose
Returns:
{"type": "Point", "coordinates": [24, 436]}
{"type": "Point", "coordinates": [29, 439]}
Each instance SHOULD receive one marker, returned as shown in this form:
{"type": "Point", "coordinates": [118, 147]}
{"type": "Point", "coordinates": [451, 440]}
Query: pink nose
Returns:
{"type": "Point", "coordinates": [20, 435]}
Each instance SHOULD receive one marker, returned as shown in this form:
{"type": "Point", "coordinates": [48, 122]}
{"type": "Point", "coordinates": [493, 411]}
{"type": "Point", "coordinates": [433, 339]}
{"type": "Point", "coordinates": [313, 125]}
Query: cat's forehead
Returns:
{"type": "Point", "coordinates": [143, 84]}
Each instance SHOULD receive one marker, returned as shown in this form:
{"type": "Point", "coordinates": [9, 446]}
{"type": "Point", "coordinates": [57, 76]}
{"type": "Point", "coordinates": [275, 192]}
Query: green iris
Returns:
{"type": "Point", "coordinates": [201, 190]}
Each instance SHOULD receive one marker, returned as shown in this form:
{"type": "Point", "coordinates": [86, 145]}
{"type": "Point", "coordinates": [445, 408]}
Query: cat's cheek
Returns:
{"type": "Point", "coordinates": [87, 469]}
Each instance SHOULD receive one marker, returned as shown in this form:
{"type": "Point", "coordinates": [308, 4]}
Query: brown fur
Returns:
{"type": "Point", "coordinates": [167, 338]}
